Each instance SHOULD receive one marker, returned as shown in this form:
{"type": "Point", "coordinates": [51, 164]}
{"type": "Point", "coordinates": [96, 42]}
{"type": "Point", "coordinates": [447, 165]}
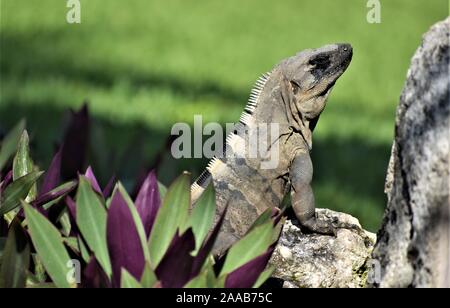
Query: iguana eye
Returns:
{"type": "Point", "coordinates": [295, 86]}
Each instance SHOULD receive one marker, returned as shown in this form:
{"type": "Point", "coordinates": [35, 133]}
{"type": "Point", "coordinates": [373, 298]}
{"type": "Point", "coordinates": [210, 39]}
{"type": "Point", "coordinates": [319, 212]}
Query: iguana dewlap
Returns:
{"type": "Point", "coordinates": [292, 95]}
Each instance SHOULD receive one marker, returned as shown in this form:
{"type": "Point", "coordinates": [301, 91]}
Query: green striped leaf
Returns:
{"type": "Point", "coordinates": [17, 190]}
{"type": "Point", "coordinates": [162, 190]}
{"type": "Point", "coordinates": [16, 258]}
{"type": "Point", "coordinates": [264, 276]}
{"type": "Point", "coordinates": [200, 281]}
{"type": "Point", "coordinates": [9, 144]}
{"type": "Point", "coordinates": [128, 281]}
{"type": "Point", "coordinates": [49, 245]}
{"type": "Point", "coordinates": [22, 163]}
{"type": "Point", "coordinates": [249, 247]}
{"type": "Point", "coordinates": [202, 216]}
{"type": "Point", "coordinates": [171, 216]}
{"type": "Point", "coordinates": [91, 220]}
{"type": "Point", "coordinates": [148, 278]}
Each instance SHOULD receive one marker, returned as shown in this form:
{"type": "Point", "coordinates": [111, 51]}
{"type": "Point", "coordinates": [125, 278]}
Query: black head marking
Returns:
{"type": "Point", "coordinates": [320, 64]}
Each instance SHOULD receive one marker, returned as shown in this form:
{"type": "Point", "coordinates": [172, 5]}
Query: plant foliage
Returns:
{"type": "Point", "coordinates": [65, 231]}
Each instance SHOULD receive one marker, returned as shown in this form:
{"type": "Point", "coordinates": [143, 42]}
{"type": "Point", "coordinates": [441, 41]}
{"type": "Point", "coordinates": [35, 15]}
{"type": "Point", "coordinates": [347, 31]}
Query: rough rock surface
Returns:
{"type": "Point", "coordinates": [313, 260]}
{"type": "Point", "coordinates": [413, 244]}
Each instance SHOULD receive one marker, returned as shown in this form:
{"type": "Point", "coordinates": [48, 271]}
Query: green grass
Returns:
{"type": "Point", "coordinates": [145, 65]}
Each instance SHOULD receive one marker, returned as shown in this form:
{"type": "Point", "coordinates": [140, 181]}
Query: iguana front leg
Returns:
{"type": "Point", "coordinates": [303, 203]}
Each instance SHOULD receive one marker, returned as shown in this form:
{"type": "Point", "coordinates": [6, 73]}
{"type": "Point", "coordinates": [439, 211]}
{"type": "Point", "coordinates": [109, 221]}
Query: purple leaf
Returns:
{"type": "Point", "coordinates": [54, 194]}
{"type": "Point", "coordinates": [109, 187]}
{"type": "Point", "coordinates": [148, 202]}
{"type": "Point", "coordinates": [93, 180]}
{"type": "Point", "coordinates": [94, 276]}
{"type": "Point", "coordinates": [175, 267]}
{"type": "Point", "coordinates": [74, 149]}
{"type": "Point", "coordinates": [6, 181]}
{"type": "Point", "coordinates": [124, 244]}
{"type": "Point", "coordinates": [142, 174]}
{"type": "Point", "coordinates": [208, 245]}
{"type": "Point", "coordinates": [276, 215]}
{"type": "Point", "coordinates": [246, 275]}
{"type": "Point", "coordinates": [72, 207]}
{"type": "Point", "coordinates": [53, 174]}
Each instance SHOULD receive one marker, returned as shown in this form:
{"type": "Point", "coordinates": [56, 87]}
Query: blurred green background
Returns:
{"type": "Point", "coordinates": [144, 65]}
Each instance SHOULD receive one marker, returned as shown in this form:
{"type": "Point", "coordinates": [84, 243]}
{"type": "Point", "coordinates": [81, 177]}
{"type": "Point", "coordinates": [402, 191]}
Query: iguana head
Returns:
{"type": "Point", "coordinates": [310, 76]}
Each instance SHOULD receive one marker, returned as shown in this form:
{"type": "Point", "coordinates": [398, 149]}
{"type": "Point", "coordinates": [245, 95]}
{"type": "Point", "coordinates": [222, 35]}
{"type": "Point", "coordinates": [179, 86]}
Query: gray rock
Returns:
{"type": "Point", "coordinates": [313, 260]}
{"type": "Point", "coordinates": [413, 244]}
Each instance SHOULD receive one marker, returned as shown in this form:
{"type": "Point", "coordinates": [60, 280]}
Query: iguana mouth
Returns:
{"type": "Point", "coordinates": [327, 89]}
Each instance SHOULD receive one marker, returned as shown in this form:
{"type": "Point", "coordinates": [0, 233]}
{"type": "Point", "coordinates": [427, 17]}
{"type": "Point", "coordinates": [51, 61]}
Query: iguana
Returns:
{"type": "Point", "coordinates": [292, 95]}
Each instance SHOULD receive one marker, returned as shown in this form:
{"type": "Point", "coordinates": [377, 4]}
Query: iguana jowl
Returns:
{"type": "Point", "coordinates": [292, 95]}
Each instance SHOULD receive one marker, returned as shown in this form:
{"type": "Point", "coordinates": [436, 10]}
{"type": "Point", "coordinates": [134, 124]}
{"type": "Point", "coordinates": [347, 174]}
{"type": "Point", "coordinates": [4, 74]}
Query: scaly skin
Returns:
{"type": "Point", "coordinates": [292, 95]}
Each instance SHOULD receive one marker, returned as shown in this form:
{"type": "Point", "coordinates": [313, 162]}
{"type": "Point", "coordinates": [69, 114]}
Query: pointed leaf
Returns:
{"type": "Point", "coordinates": [172, 214]}
{"type": "Point", "coordinates": [74, 149]}
{"type": "Point", "coordinates": [137, 220]}
{"type": "Point", "coordinates": [17, 191]}
{"type": "Point", "coordinates": [246, 275]}
{"type": "Point", "coordinates": [249, 247]}
{"type": "Point", "coordinates": [202, 216]}
{"type": "Point", "coordinates": [263, 218]}
{"type": "Point", "coordinates": [83, 250]}
{"type": "Point", "coordinates": [109, 187]}
{"type": "Point", "coordinates": [89, 174]}
{"type": "Point", "coordinates": [39, 269]}
{"type": "Point", "coordinates": [264, 276]}
{"type": "Point", "coordinates": [71, 206]}
{"type": "Point", "coordinates": [22, 164]}
{"type": "Point", "coordinates": [149, 278]}
{"type": "Point", "coordinates": [53, 175]}
{"type": "Point", "coordinates": [175, 268]}
{"type": "Point", "coordinates": [49, 245]}
{"type": "Point", "coordinates": [124, 245]}
{"type": "Point", "coordinates": [207, 246]}
{"type": "Point", "coordinates": [91, 221]}
{"type": "Point", "coordinates": [128, 281]}
{"type": "Point", "coordinates": [9, 143]}
{"type": "Point", "coordinates": [199, 281]}
{"type": "Point", "coordinates": [56, 193]}
{"type": "Point", "coordinates": [148, 202]}
{"type": "Point", "coordinates": [64, 221]}
{"type": "Point", "coordinates": [72, 243]}
{"type": "Point", "coordinates": [162, 190]}
{"type": "Point", "coordinates": [16, 258]}
{"type": "Point", "coordinates": [6, 181]}
{"type": "Point", "coordinates": [94, 276]}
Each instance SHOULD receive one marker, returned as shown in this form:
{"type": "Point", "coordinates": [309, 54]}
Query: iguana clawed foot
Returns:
{"type": "Point", "coordinates": [316, 225]}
